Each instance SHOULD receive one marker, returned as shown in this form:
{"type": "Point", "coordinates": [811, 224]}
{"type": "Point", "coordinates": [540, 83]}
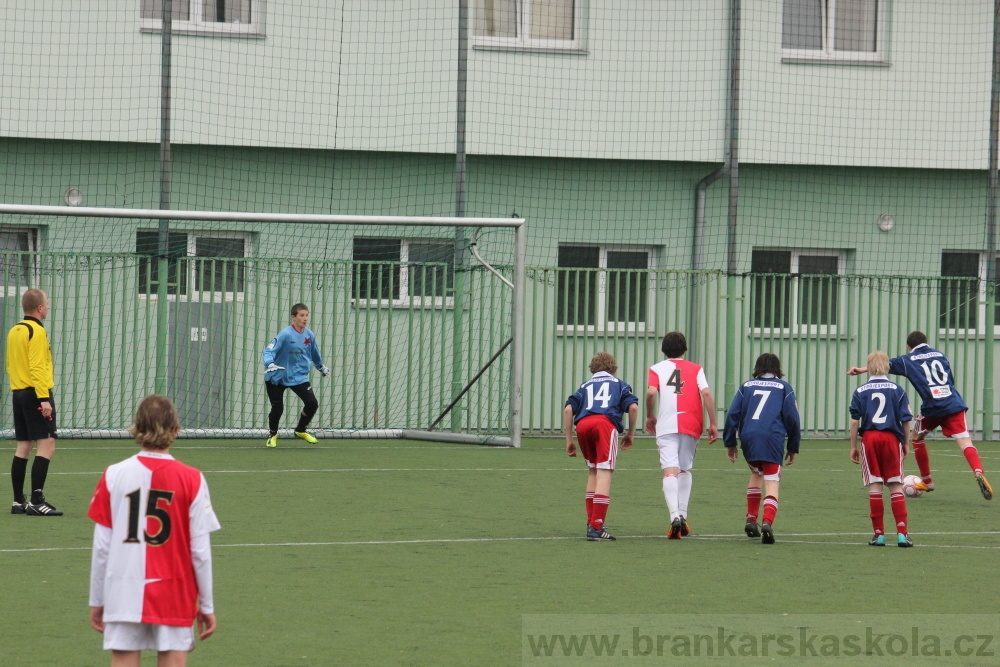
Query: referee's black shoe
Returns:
{"type": "Point", "coordinates": [18, 508]}
{"type": "Point", "coordinates": [41, 508]}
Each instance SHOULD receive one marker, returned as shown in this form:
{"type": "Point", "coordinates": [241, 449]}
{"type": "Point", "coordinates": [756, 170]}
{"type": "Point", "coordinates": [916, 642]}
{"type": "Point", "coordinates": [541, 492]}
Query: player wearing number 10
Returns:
{"type": "Point", "coordinates": [597, 408]}
{"type": "Point", "coordinates": [941, 405]}
{"type": "Point", "coordinates": [764, 413]}
{"type": "Point", "coordinates": [151, 566]}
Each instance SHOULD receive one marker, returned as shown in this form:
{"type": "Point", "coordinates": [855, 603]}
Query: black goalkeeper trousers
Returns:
{"type": "Point", "coordinates": [276, 394]}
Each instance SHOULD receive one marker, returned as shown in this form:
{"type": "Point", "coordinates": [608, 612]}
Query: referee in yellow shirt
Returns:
{"type": "Point", "coordinates": [29, 365]}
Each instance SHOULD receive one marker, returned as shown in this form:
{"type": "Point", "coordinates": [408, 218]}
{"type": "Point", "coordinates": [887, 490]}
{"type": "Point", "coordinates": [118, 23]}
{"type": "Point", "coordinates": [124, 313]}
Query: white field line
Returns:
{"type": "Point", "coordinates": [482, 540]}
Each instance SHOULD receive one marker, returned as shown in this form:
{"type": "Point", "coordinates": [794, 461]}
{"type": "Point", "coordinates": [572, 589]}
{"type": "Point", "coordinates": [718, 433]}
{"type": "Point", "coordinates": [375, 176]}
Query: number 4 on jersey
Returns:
{"type": "Point", "coordinates": [675, 381]}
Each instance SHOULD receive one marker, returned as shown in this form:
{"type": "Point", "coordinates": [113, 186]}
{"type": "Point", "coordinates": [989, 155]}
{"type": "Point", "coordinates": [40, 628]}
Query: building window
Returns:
{"type": "Point", "coordinates": [204, 261]}
{"type": "Point", "coordinates": [403, 271]}
{"type": "Point", "coordinates": [18, 267]}
{"type": "Point", "coordinates": [803, 294]}
{"type": "Point", "coordinates": [962, 297]}
{"type": "Point", "coordinates": [215, 17]}
{"type": "Point", "coordinates": [603, 287]}
{"type": "Point", "coordinates": [840, 30]}
{"type": "Point", "coordinates": [554, 25]}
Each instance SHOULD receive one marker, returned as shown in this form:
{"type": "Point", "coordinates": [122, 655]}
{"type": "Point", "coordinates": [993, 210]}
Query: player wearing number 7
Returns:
{"type": "Point", "coordinates": [764, 413]}
{"type": "Point", "coordinates": [941, 405]}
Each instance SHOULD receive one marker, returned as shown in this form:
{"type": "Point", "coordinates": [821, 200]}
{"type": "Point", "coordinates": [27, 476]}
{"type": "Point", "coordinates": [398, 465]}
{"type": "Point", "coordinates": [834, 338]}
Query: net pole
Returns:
{"type": "Point", "coordinates": [517, 334]}
{"type": "Point", "coordinates": [991, 231]}
{"type": "Point", "coordinates": [734, 193]}
{"type": "Point", "coordinates": [163, 229]}
{"type": "Point", "coordinates": [458, 313]}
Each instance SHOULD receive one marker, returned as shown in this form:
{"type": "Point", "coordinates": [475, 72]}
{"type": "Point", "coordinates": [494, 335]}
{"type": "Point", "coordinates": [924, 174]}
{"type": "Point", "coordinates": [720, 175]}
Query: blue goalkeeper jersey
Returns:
{"type": "Point", "coordinates": [763, 413]}
{"type": "Point", "coordinates": [881, 405]}
{"type": "Point", "coordinates": [930, 374]}
{"type": "Point", "coordinates": [295, 352]}
{"type": "Point", "coordinates": [603, 394]}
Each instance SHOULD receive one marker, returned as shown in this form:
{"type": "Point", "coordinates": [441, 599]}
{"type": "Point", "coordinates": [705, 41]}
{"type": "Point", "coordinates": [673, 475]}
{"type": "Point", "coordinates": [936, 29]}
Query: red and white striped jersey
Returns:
{"type": "Point", "coordinates": [680, 410]}
{"type": "Point", "coordinates": [153, 505]}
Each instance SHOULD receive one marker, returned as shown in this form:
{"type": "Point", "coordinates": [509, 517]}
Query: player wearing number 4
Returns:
{"type": "Point", "coordinates": [880, 415]}
{"type": "Point", "coordinates": [684, 397]}
{"type": "Point", "coordinates": [764, 413]}
{"type": "Point", "coordinates": [151, 565]}
{"type": "Point", "coordinates": [941, 405]}
{"type": "Point", "coordinates": [597, 408]}
{"type": "Point", "coordinates": [286, 366]}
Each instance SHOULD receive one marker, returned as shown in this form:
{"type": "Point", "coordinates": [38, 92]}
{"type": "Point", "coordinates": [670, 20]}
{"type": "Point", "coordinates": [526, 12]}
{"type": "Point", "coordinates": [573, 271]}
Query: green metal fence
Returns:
{"type": "Point", "coordinates": [393, 359]}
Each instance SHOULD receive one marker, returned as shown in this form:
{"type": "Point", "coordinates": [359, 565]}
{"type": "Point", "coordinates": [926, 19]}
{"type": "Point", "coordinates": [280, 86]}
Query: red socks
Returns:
{"type": "Point", "coordinates": [972, 456]}
{"type": "Point", "coordinates": [877, 509]}
{"type": "Point", "coordinates": [753, 502]}
{"type": "Point", "coordinates": [899, 512]}
{"type": "Point", "coordinates": [770, 509]}
{"type": "Point", "coordinates": [923, 461]}
{"type": "Point", "coordinates": [599, 512]}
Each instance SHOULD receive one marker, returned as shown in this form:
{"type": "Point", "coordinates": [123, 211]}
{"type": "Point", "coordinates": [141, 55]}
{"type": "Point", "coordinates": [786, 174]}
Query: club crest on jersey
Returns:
{"type": "Point", "coordinates": [305, 342]}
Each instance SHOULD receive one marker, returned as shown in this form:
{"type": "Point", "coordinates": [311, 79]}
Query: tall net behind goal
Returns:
{"type": "Point", "coordinates": [413, 316]}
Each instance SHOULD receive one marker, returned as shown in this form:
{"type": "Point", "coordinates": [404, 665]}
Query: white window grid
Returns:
{"type": "Point", "coordinates": [34, 275]}
{"type": "Point", "coordinates": [524, 41]}
{"type": "Point", "coordinates": [193, 295]}
{"type": "Point", "coordinates": [981, 303]}
{"type": "Point", "coordinates": [602, 323]}
{"type": "Point", "coordinates": [405, 300]}
{"type": "Point", "coordinates": [198, 25]}
{"type": "Point", "coordinates": [828, 54]}
{"type": "Point", "coordinates": [794, 286]}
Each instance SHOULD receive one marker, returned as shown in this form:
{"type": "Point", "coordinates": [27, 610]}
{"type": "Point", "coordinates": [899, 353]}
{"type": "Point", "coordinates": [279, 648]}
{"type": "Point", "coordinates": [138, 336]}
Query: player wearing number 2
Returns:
{"type": "Point", "coordinates": [151, 565]}
{"type": "Point", "coordinates": [684, 397]}
{"type": "Point", "coordinates": [597, 408]}
{"type": "Point", "coordinates": [764, 413]}
{"type": "Point", "coordinates": [941, 405]}
{"type": "Point", "coordinates": [880, 415]}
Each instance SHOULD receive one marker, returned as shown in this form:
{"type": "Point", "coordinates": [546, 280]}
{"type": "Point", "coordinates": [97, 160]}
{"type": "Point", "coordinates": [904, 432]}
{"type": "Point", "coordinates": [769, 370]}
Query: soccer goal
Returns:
{"type": "Point", "coordinates": [418, 318]}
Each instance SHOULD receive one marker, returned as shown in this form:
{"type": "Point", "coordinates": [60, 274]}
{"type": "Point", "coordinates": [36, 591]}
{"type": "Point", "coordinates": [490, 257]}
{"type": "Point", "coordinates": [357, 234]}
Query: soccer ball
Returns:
{"type": "Point", "coordinates": [911, 486]}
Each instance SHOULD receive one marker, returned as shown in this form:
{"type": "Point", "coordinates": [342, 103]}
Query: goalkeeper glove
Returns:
{"type": "Point", "coordinates": [273, 367]}
{"type": "Point", "coordinates": [325, 370]}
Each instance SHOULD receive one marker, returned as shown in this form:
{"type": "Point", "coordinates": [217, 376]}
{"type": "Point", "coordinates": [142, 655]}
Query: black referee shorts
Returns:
{"type": "Point", "coordinates": [29, 424]}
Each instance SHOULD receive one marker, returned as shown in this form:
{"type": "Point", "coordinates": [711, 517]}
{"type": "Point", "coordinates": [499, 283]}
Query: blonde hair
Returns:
{"type": "Point", "coordinates": [156, 423]}
{"type": "Point", "coordinates": [603, 361]}
{"type": "Point", "coordinates": [878, 363]}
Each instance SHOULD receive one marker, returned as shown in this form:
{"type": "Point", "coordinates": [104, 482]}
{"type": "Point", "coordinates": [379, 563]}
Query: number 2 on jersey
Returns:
{"type": "Point", "coordinates": [153, 510]}
{"type": "Point", "coordinates": [603, 395]}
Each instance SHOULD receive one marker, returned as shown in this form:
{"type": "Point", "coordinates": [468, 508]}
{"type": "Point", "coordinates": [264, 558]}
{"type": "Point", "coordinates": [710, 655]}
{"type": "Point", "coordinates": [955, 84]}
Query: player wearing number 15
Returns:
{"type": "Point", "coordinates": [764, 413]}
{"type": "Point", "coordinates": [597, 408]}
{"type": "Point", "coordinates": [880, 415]}
{"type": "Point", "coordinates": [941, 405]}
{"type": "Point", "coordinates": [684, 397]}
{"type": "Point", "coordinates": [151, 566]}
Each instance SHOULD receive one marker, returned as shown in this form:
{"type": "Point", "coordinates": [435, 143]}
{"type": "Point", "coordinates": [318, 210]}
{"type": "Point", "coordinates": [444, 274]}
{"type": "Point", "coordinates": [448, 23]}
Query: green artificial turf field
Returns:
{"type": "Point", "coordinates": [396, 552]}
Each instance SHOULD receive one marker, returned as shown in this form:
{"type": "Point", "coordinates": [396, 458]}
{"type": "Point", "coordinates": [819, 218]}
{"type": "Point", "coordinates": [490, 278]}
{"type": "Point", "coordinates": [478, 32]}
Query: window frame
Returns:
{"type": "Point", "coordinates": [828, 54]}
{"type": "Point", "coordinates": [190, 268]}
{"type": "Point", "coordinates": [33, 276]}
{"type": "Point", "coordinates": [795, 325]}
{"type": "Point", "coordinates": [603, 324]}
{"type": "Point", "coordinates": [525, 43]}
{"type": "Point", "coordinates": [196, 25]}
{"type": "Point", "coordinates": [980, 295]}
{"type": "Point", "coordinates": [405, 299]}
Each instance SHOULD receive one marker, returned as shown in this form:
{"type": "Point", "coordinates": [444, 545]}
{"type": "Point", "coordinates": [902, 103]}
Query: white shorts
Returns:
{"type": "Point", "coordinates": [677, 450]}
{"type": "Point", "coordinates": [147, 637]}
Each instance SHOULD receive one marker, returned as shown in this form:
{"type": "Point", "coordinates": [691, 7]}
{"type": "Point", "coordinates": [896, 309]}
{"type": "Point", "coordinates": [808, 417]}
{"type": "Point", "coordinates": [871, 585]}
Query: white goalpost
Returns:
{"type": "Point", "coordinates": [422, 325]}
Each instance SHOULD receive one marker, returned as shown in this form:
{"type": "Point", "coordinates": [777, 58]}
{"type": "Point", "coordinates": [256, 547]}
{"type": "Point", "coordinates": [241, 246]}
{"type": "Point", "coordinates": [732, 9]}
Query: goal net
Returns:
{"type": "Point", "coordinates": [413, 316]}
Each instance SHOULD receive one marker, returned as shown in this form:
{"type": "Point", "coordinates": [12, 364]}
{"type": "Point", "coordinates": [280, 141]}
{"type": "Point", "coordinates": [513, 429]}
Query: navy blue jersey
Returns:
{"type": "Point", "coordinates": [603, 394]}
{"type": "Point", "coordinates": [881, 405]}
{"type": "Point", "coordinates": [930, 374]}
{"type": "Point", "coordinates": [763, 413]}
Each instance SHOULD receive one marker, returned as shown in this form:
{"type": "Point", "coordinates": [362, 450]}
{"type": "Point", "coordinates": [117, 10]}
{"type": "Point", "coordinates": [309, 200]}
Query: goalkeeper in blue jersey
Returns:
{"type": "Point", "coordinates": [763, 413]}
{"type": "Point", "coordinates": [287, 359]}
